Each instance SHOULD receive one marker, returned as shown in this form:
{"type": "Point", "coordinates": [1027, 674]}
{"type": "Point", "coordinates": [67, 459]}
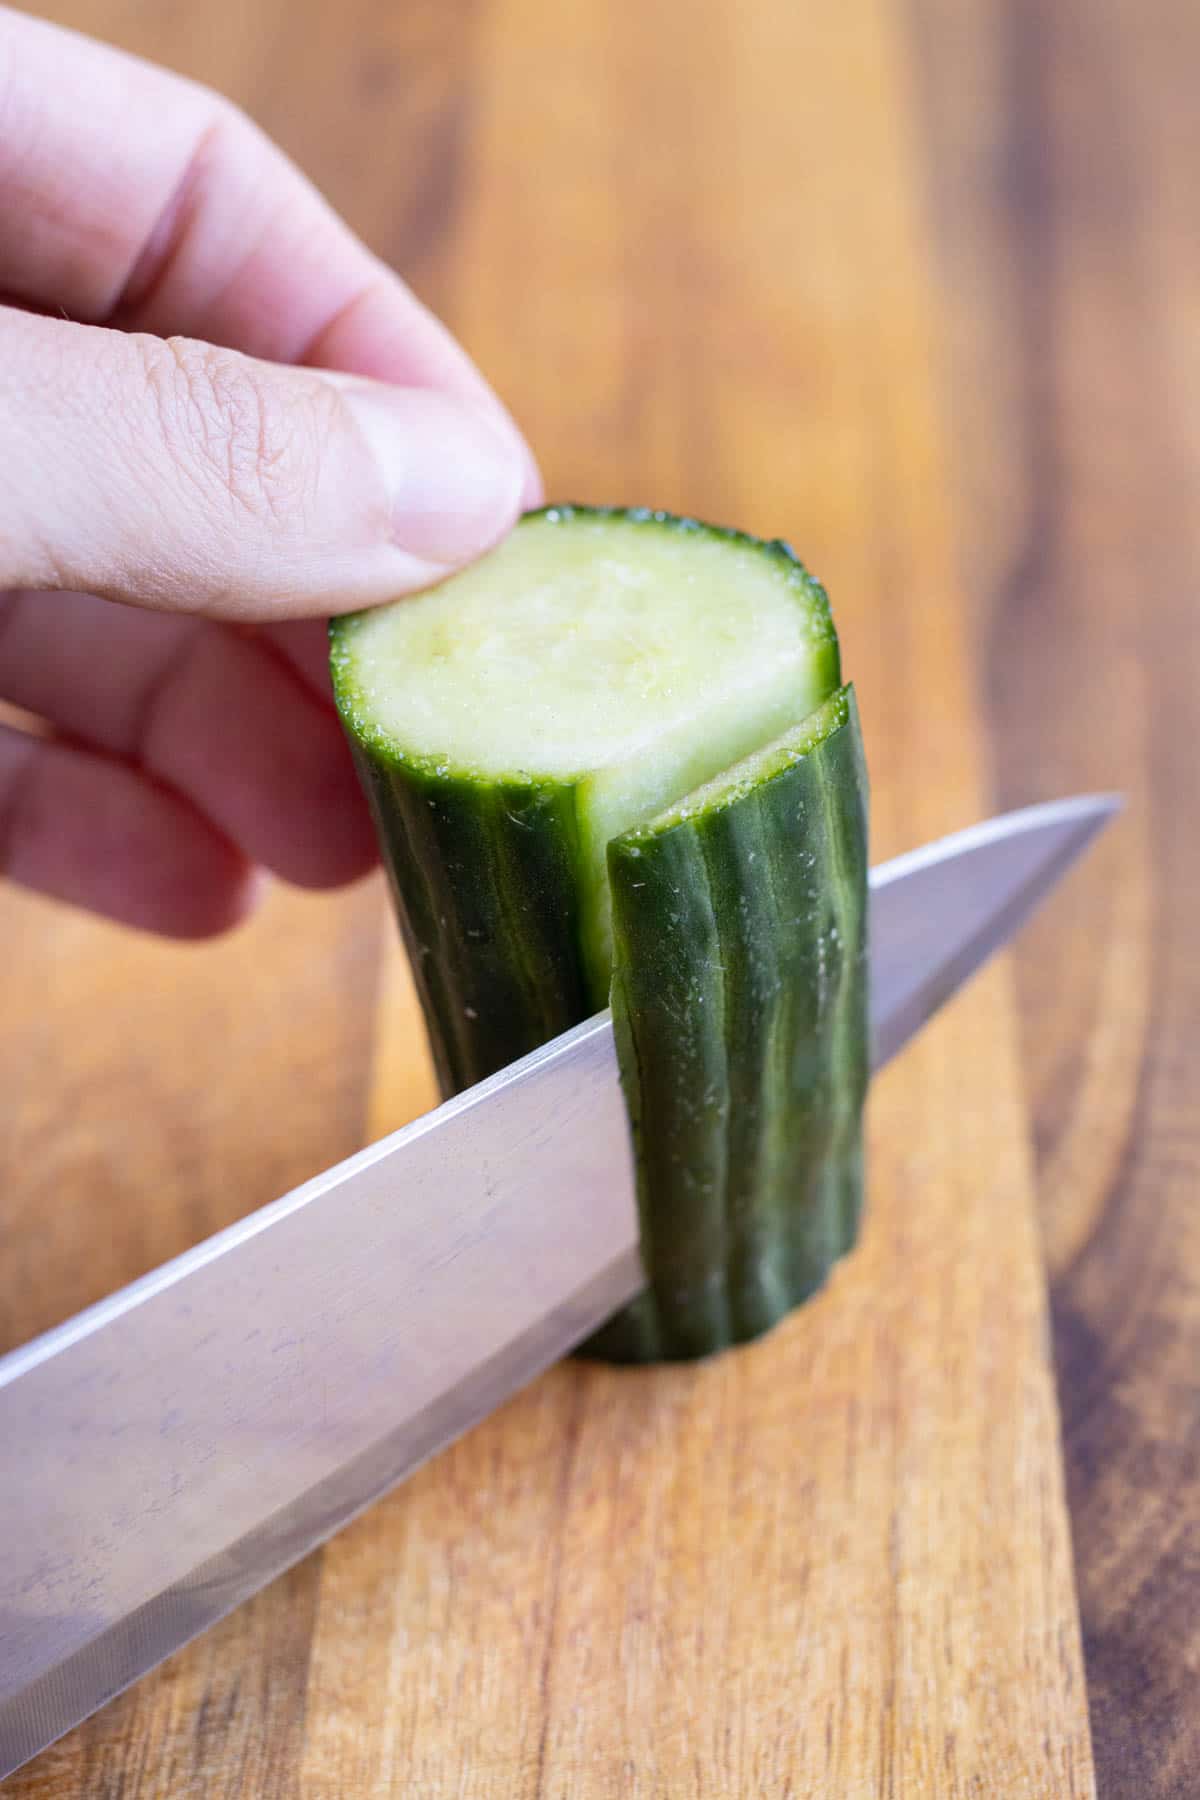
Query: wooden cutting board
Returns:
{"type": "Point", "coordinates": [698, 256]}
{"type": "Point", "coordinates": [834, 1562]}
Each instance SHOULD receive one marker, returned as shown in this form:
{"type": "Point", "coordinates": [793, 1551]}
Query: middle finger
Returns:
{"type": "Point", "coordinates": [217, 714]}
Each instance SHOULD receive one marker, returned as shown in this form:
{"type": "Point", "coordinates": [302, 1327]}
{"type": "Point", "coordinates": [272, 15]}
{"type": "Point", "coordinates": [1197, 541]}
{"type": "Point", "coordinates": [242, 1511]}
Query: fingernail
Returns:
{"type": "Point", "coordinates": [455, 480]}
{"type": "Point", "coordinates": [533, 492]}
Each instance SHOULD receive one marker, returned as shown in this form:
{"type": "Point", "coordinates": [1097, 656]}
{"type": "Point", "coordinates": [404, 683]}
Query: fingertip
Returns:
{"type": "Point", "coordinates": [247, 895]}
{"type": "Point", "coordinates": [453, 474]}
{"type": "Point", "coordinates": [533, 494]}
{"type": "Point", "coordinates": [341, 849]}
{"type": "Point", "coordinates": [204, 891]}
{"type": "Point", "coordinates": [218, 902]}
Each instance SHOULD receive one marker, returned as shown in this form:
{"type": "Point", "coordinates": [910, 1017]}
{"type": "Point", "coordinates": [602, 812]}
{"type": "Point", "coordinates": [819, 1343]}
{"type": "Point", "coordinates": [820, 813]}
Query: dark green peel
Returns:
{"type": "Point", "coordinates": [740, 1005]}
{"type": "Point", "coordinates": [484, 880]}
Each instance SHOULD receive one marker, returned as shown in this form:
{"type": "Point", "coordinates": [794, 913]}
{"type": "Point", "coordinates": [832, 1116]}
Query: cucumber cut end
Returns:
{"type": "Point", "coordinates": [586, 640]}
{"type": "Point", "coordinates": [744, 775]}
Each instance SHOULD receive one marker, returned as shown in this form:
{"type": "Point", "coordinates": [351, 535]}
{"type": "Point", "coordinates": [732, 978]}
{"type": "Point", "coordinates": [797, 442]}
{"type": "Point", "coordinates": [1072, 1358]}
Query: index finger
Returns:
{"type": "Point", "coordinates": [131, 196]}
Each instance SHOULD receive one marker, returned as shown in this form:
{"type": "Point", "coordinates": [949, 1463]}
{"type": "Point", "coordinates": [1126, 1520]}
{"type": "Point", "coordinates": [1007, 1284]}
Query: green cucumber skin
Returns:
{"type": "Point", "coordinates": [484, 881]}
{"type": "Point", "coordinates": [740, 999]}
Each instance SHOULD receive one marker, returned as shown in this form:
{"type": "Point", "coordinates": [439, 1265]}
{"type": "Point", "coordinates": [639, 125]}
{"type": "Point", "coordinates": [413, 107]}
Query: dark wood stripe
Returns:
{"type": "Point", "coordinates": [1056, 133]}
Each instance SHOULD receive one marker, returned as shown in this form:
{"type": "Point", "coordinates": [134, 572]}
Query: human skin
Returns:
{"type": "Point", "coordinates": [221, 420]}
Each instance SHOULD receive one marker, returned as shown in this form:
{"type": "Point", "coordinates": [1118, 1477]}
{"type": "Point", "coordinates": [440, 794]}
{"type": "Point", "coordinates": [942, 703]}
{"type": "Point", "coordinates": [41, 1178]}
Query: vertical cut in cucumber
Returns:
{"type": "Point", "coordinates": [513, 728]}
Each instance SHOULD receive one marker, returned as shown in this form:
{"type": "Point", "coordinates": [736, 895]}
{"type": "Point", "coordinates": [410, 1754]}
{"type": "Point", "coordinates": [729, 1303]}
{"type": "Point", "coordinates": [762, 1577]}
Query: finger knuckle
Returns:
{"type": "Point", "coordinates": [247, 440]}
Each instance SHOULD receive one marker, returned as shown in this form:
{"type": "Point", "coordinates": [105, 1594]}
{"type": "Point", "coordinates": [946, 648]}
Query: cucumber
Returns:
{"type": "Point", "coordinates": [740, 1008]}
{"type": "Point", "coordinates": [524, 733]}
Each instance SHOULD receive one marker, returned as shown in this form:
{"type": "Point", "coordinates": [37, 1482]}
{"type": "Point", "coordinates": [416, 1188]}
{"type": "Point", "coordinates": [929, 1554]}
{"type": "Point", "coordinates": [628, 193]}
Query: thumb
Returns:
{"type": "Point", "coordinates": [172, 474]}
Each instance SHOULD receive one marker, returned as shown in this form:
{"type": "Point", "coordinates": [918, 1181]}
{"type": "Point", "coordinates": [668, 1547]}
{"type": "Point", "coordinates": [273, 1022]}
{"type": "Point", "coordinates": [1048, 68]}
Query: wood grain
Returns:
{"type": "Point", "coordinates": [1063, 140]}
{"type": "Point", "coordinates": [908, 282]}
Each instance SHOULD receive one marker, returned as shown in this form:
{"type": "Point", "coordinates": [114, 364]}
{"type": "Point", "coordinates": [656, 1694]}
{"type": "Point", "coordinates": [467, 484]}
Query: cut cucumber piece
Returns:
{"type": "Point", "coordinates": [513, 728]}
{"type": "Point", "coordinates": [740, 1007]}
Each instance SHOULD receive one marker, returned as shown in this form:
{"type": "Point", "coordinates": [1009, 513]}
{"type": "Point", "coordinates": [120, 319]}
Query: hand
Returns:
{"type": "Point", "coordinates": [177, 518]}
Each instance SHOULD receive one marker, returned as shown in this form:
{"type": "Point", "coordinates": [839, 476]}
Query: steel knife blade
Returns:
{"type": "Point", "coordinates": [170, 1450]}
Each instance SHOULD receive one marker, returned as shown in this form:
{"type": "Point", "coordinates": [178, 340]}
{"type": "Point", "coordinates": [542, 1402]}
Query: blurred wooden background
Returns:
{"type": "Point", "coordinates": [915, 283]}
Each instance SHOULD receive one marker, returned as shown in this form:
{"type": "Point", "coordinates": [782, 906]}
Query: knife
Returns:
{"type": "Point", "coordinates": [170, 1450]}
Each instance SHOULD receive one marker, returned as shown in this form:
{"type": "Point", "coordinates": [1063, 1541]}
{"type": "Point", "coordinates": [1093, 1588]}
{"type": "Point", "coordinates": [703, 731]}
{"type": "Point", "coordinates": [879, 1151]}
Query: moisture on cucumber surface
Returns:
{"type": "Point", "coordinates": [611, 691]}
